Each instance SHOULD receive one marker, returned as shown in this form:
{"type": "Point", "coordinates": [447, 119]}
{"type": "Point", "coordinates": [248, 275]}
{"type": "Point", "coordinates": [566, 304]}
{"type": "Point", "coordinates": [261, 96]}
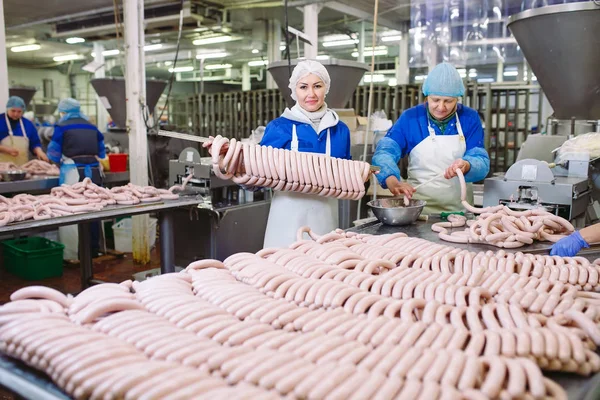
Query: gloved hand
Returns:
{"type": "Point", "coordinates": [569, 246]}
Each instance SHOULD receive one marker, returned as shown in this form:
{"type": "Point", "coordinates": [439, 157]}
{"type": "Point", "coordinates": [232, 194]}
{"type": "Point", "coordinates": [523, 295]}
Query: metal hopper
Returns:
{"type": "Point", "coordinates": [345, 76]}
{"type": "Point", "coordinates": [561, 43]}
{"type": "Point", "coordinates": [113, 92]}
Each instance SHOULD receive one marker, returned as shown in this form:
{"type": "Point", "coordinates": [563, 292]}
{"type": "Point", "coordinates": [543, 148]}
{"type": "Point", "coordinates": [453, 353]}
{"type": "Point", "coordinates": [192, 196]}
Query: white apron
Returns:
{"type": "Point", "coordinates": [290, 211]}
{"type": "Point", "coordinates": [430, 158]}
{"type": "Point", "coordinates": [19, 143]}
{"type": "Point", "coordinates": [69, 235]}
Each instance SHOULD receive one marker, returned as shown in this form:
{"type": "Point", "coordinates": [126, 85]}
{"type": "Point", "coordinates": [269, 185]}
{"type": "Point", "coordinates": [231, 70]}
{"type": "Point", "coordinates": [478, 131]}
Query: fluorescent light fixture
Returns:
{"type": "Point", "coordinates": [472, 74]}
{"type": "Point", "coordinates": [282, 47]}
{"type": "Point", "coordinates": [395, 38]}
{"type": "Point", "coordinates": [374, 78]}
{"type": "Point", "coordinates": [393, 82]}
{"type": "Point", "coordinates": [420, 77]}
{"type": "Point", "coordinates": [217, 66]}
{"type": "Point", "coordinates": [369, 53]}
{"type": "Point", "coordinates": [181, 69]}
{"type": "Point", "coordinates": [511, 73]}
{"type": "Point", "coordinates": [258, 63]}
{"type": "Point", "coordinates": [152, 47]}
{"type": "Point", "coordinates": [168, 63]}
{"type": "Point", "coordinates": [255, 51]}
{"type": "Point", "coordinates": [68, 57]}
{"type": "Point", "coordinates": [485, 80]}
{"type": "Point", "coordinates": [26, 47]}
{"type": "Point", "coordinates": [323, 57]}
{"type": "Point", "coordinates": [75, 40]}
{"type": "Point", "coordinates": [107, 53]}
{"type": "Point", "coordinates": [213, 40]}
{"type": "Point", "coordinates": [347, 42]}
{"type": "Point", "coordinates": [205, 56]}
{"type": "Point", "coordinates": [534, 78]}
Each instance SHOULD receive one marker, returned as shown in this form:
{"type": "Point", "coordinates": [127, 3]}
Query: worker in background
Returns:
{"type": "Point", "coordinates": [311, 127]}
{"type": "Point", "coordinates": [76, 146]}
{"type": "Point", "coordinates": [439, 137]}
{"type": "Point", "coordinates": [571, 245]}
{"type": "Point", "coordinates": [18, 136]}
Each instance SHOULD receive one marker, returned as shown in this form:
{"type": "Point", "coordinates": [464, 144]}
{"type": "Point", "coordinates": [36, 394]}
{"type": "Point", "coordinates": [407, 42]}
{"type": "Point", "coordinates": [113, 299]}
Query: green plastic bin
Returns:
{"type": "Point", "coordinates": [33, 258]}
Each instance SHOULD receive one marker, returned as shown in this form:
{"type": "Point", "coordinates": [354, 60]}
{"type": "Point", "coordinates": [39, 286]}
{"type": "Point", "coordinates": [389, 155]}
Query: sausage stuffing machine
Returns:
{"type": "Point", "coordinates": [229, 220]}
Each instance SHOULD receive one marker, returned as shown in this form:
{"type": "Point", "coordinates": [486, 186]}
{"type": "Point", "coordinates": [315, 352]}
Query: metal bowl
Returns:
{"type": "Point", "coordinates": [14, 175]}
{"type": "Point", "coordinates": [393, 212]}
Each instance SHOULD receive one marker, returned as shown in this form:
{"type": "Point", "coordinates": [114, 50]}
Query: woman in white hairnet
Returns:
{"type": "Point", "coordinates": [309, 126]}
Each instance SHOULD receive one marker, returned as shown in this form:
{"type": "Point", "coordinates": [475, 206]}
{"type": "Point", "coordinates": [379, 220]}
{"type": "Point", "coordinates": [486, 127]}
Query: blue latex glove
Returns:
{"type": "Point", "coordinates": [569, 246]}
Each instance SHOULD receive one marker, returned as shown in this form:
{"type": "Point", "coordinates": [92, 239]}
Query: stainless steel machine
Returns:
{"type": "Point", "coordinates": [565, 61]}
{"type": "Point", "coordinates": [532, 183]}
{"type": "Point", "coordinates": [230, 220]}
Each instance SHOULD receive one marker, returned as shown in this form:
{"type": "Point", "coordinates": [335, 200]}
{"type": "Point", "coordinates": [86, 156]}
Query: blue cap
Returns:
{"type": "Point", "coordinates": [69, 105]}
{"type": "Point", "coordinates": [15, 102]}
{"type": "Point", "coordinates": [444, 80]}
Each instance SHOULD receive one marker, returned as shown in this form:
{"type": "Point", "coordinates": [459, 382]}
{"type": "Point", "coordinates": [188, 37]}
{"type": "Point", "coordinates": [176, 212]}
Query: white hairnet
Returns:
{"type": "Point", "coordinates": [309, 67]}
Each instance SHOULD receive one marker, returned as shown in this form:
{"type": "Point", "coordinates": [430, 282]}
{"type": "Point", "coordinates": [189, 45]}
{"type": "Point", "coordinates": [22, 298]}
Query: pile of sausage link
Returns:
{"type": "Point", "coordinates": [33, 167]}
{"type": "Point", "coordinates": [502, 227]}
{"type": "Point", "coordinates": [338, 316]}
{"type": "Point", "coordinates": [284, 170]}
{"type": "Point", "coordinates": [79, 198]}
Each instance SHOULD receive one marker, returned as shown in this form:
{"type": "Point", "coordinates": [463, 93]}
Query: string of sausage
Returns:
{"type": "Point", "coordinates": [502, 227]}
{"type": "Point", "coordinates": [80, 198]}
{"type": "Point", "coordinates": [285, 170]}
{"type": "Point", "coordinates": [39, 167]}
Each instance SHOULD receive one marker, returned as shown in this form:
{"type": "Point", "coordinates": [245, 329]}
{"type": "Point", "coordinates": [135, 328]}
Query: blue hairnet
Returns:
{"type": "Point", "coordinates": [15, 102]}
{"type": "Point", "coordinates": [444, 80]}
{"type": "Point", "coordinates": [71, 108]}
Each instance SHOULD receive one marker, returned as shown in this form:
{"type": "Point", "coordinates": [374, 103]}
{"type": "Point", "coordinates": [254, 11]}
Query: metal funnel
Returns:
{"type": "Point", "coordinates": [24, 92]}
{"type": "Point", "coordinates": [561, 43]}
{"type": "Point", "coordinates": [345, 76]}
{"type": "Point", "coordinates": [113, 91]}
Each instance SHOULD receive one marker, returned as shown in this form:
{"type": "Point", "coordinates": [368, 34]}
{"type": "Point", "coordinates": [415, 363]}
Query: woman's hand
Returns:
{"type": "Point", "coordinates": [399, 188]}
{"type": "Point", "coordinates": [208, 145]}
{"type": "Point", "coordinates": [9, 150]}
{"type": "Point", "coordinates": [464, 166]}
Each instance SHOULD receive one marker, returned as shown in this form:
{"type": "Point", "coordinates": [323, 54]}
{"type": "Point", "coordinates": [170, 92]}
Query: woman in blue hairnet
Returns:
{"type": "Point", "coordinates": [309, 126]}
{"type": "Point", "coordinates": [76, 146]}
{"type": "Point", "coordinates": [439, 137]}
{"type": "Point", "coordinates": [18, 136]}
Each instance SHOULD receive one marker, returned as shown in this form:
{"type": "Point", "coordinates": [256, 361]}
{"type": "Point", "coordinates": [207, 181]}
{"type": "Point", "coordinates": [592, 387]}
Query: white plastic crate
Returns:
{"type": "Point", "coordinates": [123, 234]}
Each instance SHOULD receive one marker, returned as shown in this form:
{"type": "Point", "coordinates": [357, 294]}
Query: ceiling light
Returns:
{"type": "Point", "coordinates": [152, 47]}
{"type": "Point", "coordinates": [347, 42]}
{"type": "Point", "coordinates": [472, 74]}
{"type": "Point", "coordinates": [282, 47]}
{"type": "Point", "coordinates": [107, 53]}
{"type": "Point", "coordinates": [395, 38]}
{"type": "Point", "coordinates": [420, 77]}
{"type": "Point", "coordinates": [323, 57]}
{"type": "Point", "coordinates": [212, 40]}
{"type": "Point", "coordinates": [511, 73]}
{"type": "Point", "coordinates": [68, 57]}
{"type": "Point", "coordinates": [255, 51]}
{"type": "Point", "coordinates": [392, 82]}
{"type": "Point", "coordinates": [218, 66]}
{"type": "Point", "coordinates": [258, 63]}
{"type": "Point", "coordinates": [369, 53]}
{"type": "Point", "coordinates": [27, 47]}
{"type": "Point", "coordinates": [181, 69]}
{"type": "Point", "coordinates": [75, 40]}
{"type": "Point", "coordinates": [485, 80]}
{"type": "Point", "coordinates": [204, 56]}
{"type": "Point", "coordinates": [375, 78]}
{"type": "Point", "coordinates": [168, 63]}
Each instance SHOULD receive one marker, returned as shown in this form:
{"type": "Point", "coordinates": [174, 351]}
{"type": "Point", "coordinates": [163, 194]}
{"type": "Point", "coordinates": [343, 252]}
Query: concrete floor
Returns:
{"type": "Point", "coordinates": [106, 268]}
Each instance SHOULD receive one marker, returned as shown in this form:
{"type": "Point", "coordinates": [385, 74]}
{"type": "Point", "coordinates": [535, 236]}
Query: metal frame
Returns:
{"type": "Point", "coordinates": [558, 8]}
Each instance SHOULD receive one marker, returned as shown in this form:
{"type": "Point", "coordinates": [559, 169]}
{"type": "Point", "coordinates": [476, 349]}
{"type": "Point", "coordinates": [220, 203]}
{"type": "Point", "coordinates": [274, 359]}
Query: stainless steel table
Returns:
{"type": "Point", "coordinates": [165, 219]}
{"type": "Point", "coordinates": [41, 184]}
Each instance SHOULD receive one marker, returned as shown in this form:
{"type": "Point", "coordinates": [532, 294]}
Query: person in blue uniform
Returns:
{"type": "Point", "coordinates": [18, 135]}
{"type": "Point", "coordinates": [438, 136]}
{"type": "Point", "coordinates": [570, 245]}
{"type": "Point", "coordinates": [309, 126]}
{"type": "Point", "coordinates": [76, 146]}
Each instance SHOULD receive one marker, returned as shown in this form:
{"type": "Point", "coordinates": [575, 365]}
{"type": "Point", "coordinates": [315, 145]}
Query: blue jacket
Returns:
{"type": "Point", "coordinates": [30, 131]}
{"type": "Point", "coordinates": [278, 134]}
{"type": "Point", "coordinates": [76, 138]}
{"type": "Point", "coordinates": [411, 129]}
